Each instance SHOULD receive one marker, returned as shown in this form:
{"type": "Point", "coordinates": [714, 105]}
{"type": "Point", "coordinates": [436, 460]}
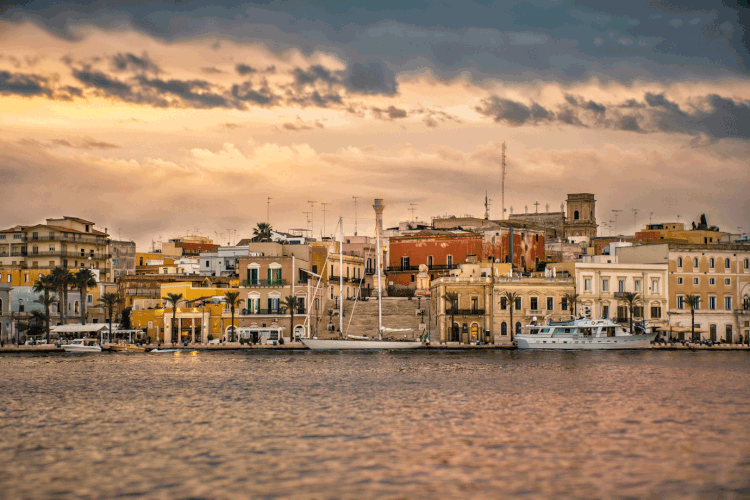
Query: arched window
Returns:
{"type": "Point", "coordinates": [727, 263]}
{"type": "Point", "coordinates": [576, 215]}
{"type": "Point", "coordinates": [695, 262]}
{"type": "Point", "coordinates": [518, 328]}
{"type": "Point", "coordinates": [712, 263]}
{"type": "Point", "coordinates": [747, 263]}
{"type": "Point", "coordinates": [679, 261]}
{"type": "Point", "coordinates": [503, 328]}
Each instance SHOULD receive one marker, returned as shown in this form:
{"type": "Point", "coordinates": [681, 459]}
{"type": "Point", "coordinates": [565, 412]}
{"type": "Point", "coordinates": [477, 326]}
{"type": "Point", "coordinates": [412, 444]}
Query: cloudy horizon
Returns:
{"type": "Point", "coordinates": [181, 117]}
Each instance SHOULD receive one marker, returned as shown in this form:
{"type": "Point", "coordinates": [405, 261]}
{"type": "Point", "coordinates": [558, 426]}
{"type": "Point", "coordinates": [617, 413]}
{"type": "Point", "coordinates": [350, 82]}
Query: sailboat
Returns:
{"type": "Point", "coordinates": [356, 341]}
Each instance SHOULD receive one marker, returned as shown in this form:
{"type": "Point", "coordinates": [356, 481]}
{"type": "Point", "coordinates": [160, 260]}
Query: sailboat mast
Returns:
{"type": "Point", "coordinates": [341, 277]}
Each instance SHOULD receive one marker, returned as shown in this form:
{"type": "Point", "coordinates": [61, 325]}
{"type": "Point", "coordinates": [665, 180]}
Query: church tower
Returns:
{"type": "Point", "coordinates": [580, 219]}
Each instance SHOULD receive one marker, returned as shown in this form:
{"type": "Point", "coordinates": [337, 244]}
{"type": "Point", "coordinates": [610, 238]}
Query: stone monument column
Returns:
{"type": "Point", "coordinates": [379, 207]}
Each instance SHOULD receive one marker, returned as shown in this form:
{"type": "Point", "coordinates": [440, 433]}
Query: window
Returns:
{"type": "Point", "coordinates": [2, 236]}
{"type": "Point", "coordinates": [712, 263]}
{"type": "Point", "coordinates": [637, 285]}
{"type": "Point", "coordinates": [605, 285]}
{"type": "Point", "coordinates": [534, 303]}
{"type": "Point", "coordinates": [712, 302]}
{"type": "Point", "coordinates": [564, 303]}
{"type": "Point", "coordinates": [696, 281]}
{"type": "Point", "coordinates": [621, 286]}
{"type": "Point", "coordinates": [679, 261]}
{"type": "Point", "coordinates": [654, 286]}
{"type": "Point", "coordinates": [727, 264]}
{"type": "Point", "coordinates": [518, 303]}
{"type": "Point", "coordinates": [450, 260]}
{"type": "Point", "coordinates": [695, 262]}
{"type": "Point", "coordinates": [679, 281]}
{"type": "Point", "coordinates": [655, 312]}
{"type": "Point", "coordinates": [550, 303]}
{"type": "Point", "coordinates": [729, 338]}
{"type": "Point", "coordinates": [503, 303]}
{"type": "Point", "coordinates": [474, 303]}
{"type": "Point", "coordinates": [89, 299]}
{"type": "Point", "coordinates": [747, 263]}
{"type": "Point", "coordinates": [727, 281]}
{"type": "Point", "coordinates": [503, 328]}
{"type": "Point", "coordinates": [429, 261]}
{"type": "Point", "coordinates": [605, 312]}
{"type": "Point", "coordinates": [587, 285]}
{"type": "Point", "coordinates": [680, 302]}
{"type": "Point", "coordinates": [207, 264]}
{"type": "Point", "coordinates": [16, 236]}
{"type": "Point", "coordinates": [576, 215]}
{"type": "Point", "coordinates": [25, 278]}
{"type": "Point", "coordinates": [404, 262]}
{"type": "Point", "coordinates": [711, 281]}
{"type": "Point", "coordinates": [637, 311]}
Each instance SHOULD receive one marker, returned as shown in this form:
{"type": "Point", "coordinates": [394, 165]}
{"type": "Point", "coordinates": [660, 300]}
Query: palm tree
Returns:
{"type": "Point", "coordinates": [173, 299]}
{"type": "Point", "coordinates": [694, 302]}
{"type": "Point", "coordinates": [110, 301]}
{"type": "Point", "coordinates": [631, 299]}
{"type": "Point", "coordinates": [452, 297]}
{"type": "Point", "coordinates": [62, 278]}
{"type": "Point", "coordinates": [511, 298]}
{"type": "Point", "coordinates": [36, 322]}
{"type": "Point", "coordinates": [291, 303]}
{"type": "Point", "coordinates": [233, 300]}
{"type": "Point", "coordinates": [573, 299]}
{"type": "Point", "coordinates": [84, 279]}
{"type": "Point", "coordinates": [262, 232]}
{"type": "Point", "coordinates": [47, 302]}
{"type": "Point", "coordinates": [46, 284]}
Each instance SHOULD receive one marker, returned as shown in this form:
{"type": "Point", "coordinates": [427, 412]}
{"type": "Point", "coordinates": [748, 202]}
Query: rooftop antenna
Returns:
{"type": "Point", "coordinates": [616, 212]}
{"type": "Point", "coordinates": [502, 185]}
{"type": "Point", "coordinates": [650, 216]}
{"type": "Point", "coordinates": [307, 225]}
{"type": "Point", "coordinates": [312, 218]}
{"type": "Point", "coordinates": [610, 226]}
{"type": "Point", "coordinates": [412, 209]}
{"type": "Point", "coordinates": [536, 207]}
{"type": "Point", "coordinates": [635, 224]}
{"type": "Point", "coordinates": [355, 213]}
{"type": "Point", "coordinates": [268, 210]}
{"type": "Point", "coordinates": [324, 220]}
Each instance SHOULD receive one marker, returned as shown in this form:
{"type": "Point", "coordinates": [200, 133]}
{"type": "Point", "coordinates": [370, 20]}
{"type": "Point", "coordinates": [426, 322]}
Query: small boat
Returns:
{"type": "Point", "coordinates": [82, 345]}
{"type": "Point", "coordinates": [580, 334]}
{"type": "Point", "coordinates": [126, 347]}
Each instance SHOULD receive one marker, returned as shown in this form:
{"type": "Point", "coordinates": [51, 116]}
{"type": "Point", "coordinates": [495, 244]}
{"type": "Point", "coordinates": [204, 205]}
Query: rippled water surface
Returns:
{"type": "Point", "coordinates": [435, 424]}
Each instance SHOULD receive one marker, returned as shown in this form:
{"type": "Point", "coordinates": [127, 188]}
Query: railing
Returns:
{"type": "Point", "coordinates": [264, 283]}
{"type": "Point", "coordinates": [370, 271]}
{"type": "Point", "coordinates": [535, 312]}
{"type": "Point", "coordinates": [276, 312]}
{"type": "Point", "coordinates": [620, 295]}
{"type": "Point", "coordinates": [336, 278]}
{"type": "Point", "coordinates": [402, 268]}
{"type": "Point", "coordinates": [63, 253]}
{"type": "Point", "coordinates": [18, 254]}
{"type": "Point", "coordinates": [441, 267]}
{"type": "Point", "coordinates": [464, 312]}
{"type": "Point", "coordinates": [99, 240]}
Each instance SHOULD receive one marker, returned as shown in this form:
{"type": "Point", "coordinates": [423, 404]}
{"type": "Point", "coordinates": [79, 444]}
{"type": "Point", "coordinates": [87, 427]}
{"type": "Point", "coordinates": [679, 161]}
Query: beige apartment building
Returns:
{"type": "Point", "coordinates": [483, 314]}
{"type": "Point", "coordinates": [69, 242]}
{"type": "Point", "coordinates": [719, 274]}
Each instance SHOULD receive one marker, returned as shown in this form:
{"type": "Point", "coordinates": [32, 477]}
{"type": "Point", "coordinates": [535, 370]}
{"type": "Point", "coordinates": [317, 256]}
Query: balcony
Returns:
{"type": "Point", "coordinates": [63, 253]}
{"type": "Point", "coordinates": [392, 269]}
{"type": "Point", "coordinates": [261, 283]}
{"type": "Point", "coordinates": [371, 271]}
{"type": "Point", "coordinates": [535, 312]}
{"type": "Point", "coordinates": [464, 312]}
{"type": "Point", "coordinates": [337, 278]}
{"type": "Point", "coordinates": [94, 240]}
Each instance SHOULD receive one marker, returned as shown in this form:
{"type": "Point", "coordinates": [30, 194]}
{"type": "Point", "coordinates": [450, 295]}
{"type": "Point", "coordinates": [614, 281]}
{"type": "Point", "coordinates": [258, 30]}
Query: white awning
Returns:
{"type": "Point", "coordinates": [95, 327]}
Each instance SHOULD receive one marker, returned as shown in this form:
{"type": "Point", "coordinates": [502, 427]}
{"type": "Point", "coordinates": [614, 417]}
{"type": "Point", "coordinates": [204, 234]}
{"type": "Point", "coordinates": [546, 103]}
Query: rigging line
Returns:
{"type": "Point", "coordinates": [351, 315]}
{"type": "Point", "coordinates": [319, 314]}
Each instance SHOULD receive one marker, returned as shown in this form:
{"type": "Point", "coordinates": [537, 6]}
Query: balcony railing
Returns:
{"type": "Point", "coordinates": [63, 253]}
{"type": "Point", "coordinates": [97, 240]}
{"type": "Point", "coordinates": [264, 283]}
{"type": "Point", "coordinates": [464, 312]}
{"type": "Point", "coordinates": [275, 312]}
{"type": "Point", "coordinates": [434, 267]}
{"type": "Point", "coordinates": [370, 271]}
{"type": "Point", "coordinates": [535, 312]}
{"type": "Point", "coordinates": [336, 278]}
{"type": "Point", "coordinates": [402, 268]}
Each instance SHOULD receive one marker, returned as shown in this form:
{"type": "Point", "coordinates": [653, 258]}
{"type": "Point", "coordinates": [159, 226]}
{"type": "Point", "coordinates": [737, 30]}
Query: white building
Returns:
{"type": "Point", "coordinates": [224, 261]}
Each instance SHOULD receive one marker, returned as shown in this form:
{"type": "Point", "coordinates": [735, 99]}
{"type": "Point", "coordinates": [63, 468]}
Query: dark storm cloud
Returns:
{"type": "Point", "coordinates": [518, 40]}
{"type": "Point", "coordinates": [195, 93]}
{"type": "Point", "coordinates": [128, 61]}
{"type": "Point", "coordinates": [314, 74]}
{"type": "Point", "coordinates": [713, 116]}
{"type": "Point", "coordinates": [22, 84]}
{"type": "Point", "coordinates": [245, 93]}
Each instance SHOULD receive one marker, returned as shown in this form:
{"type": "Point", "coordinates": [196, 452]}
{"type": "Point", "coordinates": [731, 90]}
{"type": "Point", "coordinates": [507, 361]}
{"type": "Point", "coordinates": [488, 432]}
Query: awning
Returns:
{"type": "Point", "coordinates": [96, 327]}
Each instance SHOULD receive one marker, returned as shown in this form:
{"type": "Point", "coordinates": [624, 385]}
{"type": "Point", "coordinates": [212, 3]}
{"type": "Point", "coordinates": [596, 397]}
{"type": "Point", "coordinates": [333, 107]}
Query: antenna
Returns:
{"type": "Point", "coordinates": [312, 218]}
{"type": "Point", "coordinates": [412, 209]}
{"type": "Point", "coordinates": [324, 220]}
{"type": "Point", "coordinates": [635, 224]}
{"type": "Point", "coordinates": [307, 225]}
{"type": "Point", "coordinates": [650, 216]}
{"type": "Point", "coordinates": [616, 212]}
{"type": "Point", "coordinates": [268, 210]}
{"type": "Point", "coordinates": [355, 213]}
{"type": "Point", "coordinates": [502, 186]}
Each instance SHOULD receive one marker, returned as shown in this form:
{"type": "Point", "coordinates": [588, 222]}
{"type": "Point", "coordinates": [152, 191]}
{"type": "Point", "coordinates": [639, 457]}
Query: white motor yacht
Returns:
{"type": "Point", "coordinates": [83, 345]}
{"type": "Point", "coordinates": [593, 334]}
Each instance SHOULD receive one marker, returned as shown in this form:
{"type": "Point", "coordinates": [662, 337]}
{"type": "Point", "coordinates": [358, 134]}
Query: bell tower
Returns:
{"type": "Point", "coordinates": [580, 217]}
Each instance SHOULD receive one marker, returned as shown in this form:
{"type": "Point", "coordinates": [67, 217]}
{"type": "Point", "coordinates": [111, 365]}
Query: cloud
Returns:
{"type": "Point", "coordinates": [24, 85]}
{"type": "Point", "coordinates": [245, 93]}
{"type": "Point", "coordinates": [128, 61]}
{"type": "Point", "coordinates": [390, 113]}
{"type": "Point", "coordinates": [196, 93]}
{"type": "Point", "coordinates": [244, 69]}
{"type": "Point", "coordinates": [371, 77]}
{"type": "Point", "coordinates": [513, 112]}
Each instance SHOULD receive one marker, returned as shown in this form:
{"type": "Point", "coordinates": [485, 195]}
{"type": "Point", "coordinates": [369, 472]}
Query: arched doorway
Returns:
{"type": "Point", "coordinates": [474, 335]}
{"type": "Point", "coordinates": [455, 332]}
{"type": "Point", "coordinates": [504, 328]}
{"type": "Point", "coordinates": [518, 328]}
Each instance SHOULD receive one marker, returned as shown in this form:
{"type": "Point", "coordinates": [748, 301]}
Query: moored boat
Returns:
{"type": "Point", "coordinates": [126, 347]}
{"type": "Point", "coordinates": [82, 345]}
{"type": "Point", "coordinates": [588, 334]}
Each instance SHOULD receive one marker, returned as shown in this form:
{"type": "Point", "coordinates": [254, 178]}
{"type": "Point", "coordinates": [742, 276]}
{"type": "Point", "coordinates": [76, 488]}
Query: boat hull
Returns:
{"type": "Point", "coordinates": [320, 344]}
{"type": "Point", "coordinates": [524, 341]}
{"type": "Point", "coordinates": [82, 348]}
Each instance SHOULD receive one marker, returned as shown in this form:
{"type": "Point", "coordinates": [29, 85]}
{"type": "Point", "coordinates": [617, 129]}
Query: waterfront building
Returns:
{"type": "Point", "coordinates": [578, 219]}
{"type": "Point", "coordinates": [224, 261]}
{"type": "Point", "coordinates": [718, 273]}
{"type": "Point", "coordinates": [482, 312]}
{"type": "Point", "coordinates": [188, 246]}
{"type": "Point", "coordinates": [148, 286]}
{"type": "Point", "coordinates": [123, 257]}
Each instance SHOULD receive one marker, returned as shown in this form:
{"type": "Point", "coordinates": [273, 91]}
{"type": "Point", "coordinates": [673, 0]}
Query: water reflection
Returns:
{"type": "Point", "coordinates": [444, 424]}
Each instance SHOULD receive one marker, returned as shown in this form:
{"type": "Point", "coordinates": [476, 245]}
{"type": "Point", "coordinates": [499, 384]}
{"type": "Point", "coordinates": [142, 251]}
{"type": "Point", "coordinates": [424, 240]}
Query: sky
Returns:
{"type": "Point", "coordinates": [183, 117]}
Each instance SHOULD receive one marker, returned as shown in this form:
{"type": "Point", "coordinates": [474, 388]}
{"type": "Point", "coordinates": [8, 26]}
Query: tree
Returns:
{"type": "Point", "coordinates": [694, 302]}
{"type": "Point", "coordinates": [84, 279]}
{"type": "Point", "coordinates": [573, 299]}
{"type": "Point", "coordinates": [37, 321]}
{"type": "Point", "coordinates": [62, 278]}
{"type": "Point", "coordinates": [110, 301]}
{"type": "Point", "coordinates": [262, 232]}
{"type": "Point", "coordinates": [233, 300]}
{"type": "Point", "coordinates": [291, 303]}
{"type": "Point", "coordinates": [452, 297]}
{"type": "Point", "coordinates": [511, 298]}
{"type": "Point", "coordinates": [631, 299]}
{"type": "Point", "coordinates": [47, 301]}
{"type": "Point", "coordinates": [46, 284]}
{"type": "Point", "coordinates": [173, 299]}
{"type": "Point", "coordinates": [125, 323]}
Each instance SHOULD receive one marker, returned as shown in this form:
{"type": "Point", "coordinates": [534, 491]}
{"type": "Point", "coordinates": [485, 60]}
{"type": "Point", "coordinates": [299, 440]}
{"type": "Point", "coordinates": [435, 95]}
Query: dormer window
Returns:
{"type": "Point", "coordinates": [87, 228]}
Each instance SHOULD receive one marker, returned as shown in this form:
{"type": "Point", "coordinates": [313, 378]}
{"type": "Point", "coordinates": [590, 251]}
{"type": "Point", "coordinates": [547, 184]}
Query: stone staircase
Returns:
{"type": "Point", "coordinates": [398, 312]}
